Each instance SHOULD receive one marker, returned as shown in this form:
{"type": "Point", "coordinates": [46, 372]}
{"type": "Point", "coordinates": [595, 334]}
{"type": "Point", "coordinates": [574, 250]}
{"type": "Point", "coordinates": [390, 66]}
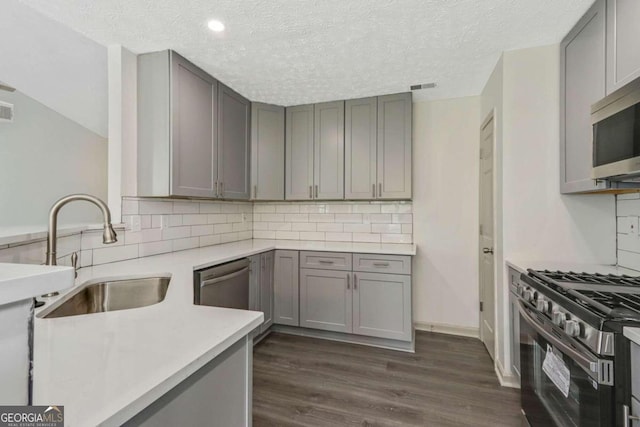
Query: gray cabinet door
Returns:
{"type": "Point", "coordinates": [254, 282]}
{"type": "Point", "coordinates": [234, 145]}
{"type": "Point", "coordinates": [623, 34]}
{"type": "Point", "coordinates": [582, 63]}
{"type": "Point", "coordinates": [382, 305]}
{"type": "Point", "coordinates": [328, 156]}
{"type": "Point", "coordinates": [193, 142]}
{"type": "Point", "coordinates": [394, 146]}
{"type": "Point", "coordinates": [267, 152]}
{"type": "Point", "coordinates": [266, 289]}
{"type": "Point", "coordinates": [326, 300]}
{"type": "Point", "coordinates": [360, 140]}
{"type": "Point", "coordinates": [285, 288]}
{"type": "Point", "coordinates": [299, 153]}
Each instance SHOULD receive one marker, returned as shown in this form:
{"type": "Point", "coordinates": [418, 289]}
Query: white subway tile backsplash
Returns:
{"type": "Point", "coordinates": [260, 226]}
{"type": "Point", "coordinates": [322, 218]}
{"type": "Point", "coordinates": [376, 218]}
{"type": "Point", "coordinates": [279, 226]}
{"type": "Point", "coordinates": [210, 208]}
{"type": "Point", "coordinates": [86, 258]}
{"type": "Point", "coordinates": [355, 218]}
{"type": "Point", "coordinates": [330, 227]}
{"type": "Point", "coordinates": [338, 237]}
{"type": "Point", "coordinates": [312, 235]}
{"type": "Point", "coordinates": [155, 207]}
{"type": "Point", "coordinates": [288, 208]}
{"type": "Point", "coordinates": [296, 217]}
{"type": "Point", "coordinates": [261, 234]}
{"type": "Point", "coordinates": [186, 207]}
{"type": "Point", "coordinates": [155, 248]}
{"type": "Point", "coordinates": [402, 218]}
{"type": "Point", "coordinates": [367, 237]}
{"type": "Point", "coordinates": [114, 253]}
{"type": "Point", "coordinates": [129, 207]}
{"type": "Point", "coordinates": [148, 235]}
{"type": "Point", "coordinates": [357, 228]}
{"type": "Point", "coordinates": [176, 232]}
{"type": "Point", "coordinates": [288, 235]}
{"type": "Point", "coordinates": [396, 238]}
{"type": "Point", "coordinates": [338, 208]}
{"type": "Point", "coordinates": [263, 208]}
{"type": "Point", "coordinates": [217, 218]}
{"type": "Point", "coordinates": [628, 237]}
{"type": "Point", "coordinates": [386, 228]}
{"type": "Point", "coordinates": [194, 219]}
{"type": "Point", "coordinates": [213, 239]}
{"type": "Point", "coordinates": [222, 228]}
{"type": "Point", "coordinates": [187, 243]}
{"type": "Point", "coordinates": [272, 217]}
{"type": "Point", "coordinates": [229, 237]}
{"type": "Point", "coordinates": [299, 226]}
{"type": "Point", "coordinates": [366, 208]}
{"type": "Point", "coordinates": [201, 230]}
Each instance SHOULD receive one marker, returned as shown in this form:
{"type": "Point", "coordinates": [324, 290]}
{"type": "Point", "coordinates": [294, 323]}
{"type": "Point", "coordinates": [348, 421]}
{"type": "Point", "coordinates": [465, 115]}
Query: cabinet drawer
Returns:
{"type": "Point", "coordinates": [635, 370]}
{"type": "Point", "coordinates": [326, 260]}
{"type": "Point", "coordinates": [393, 264]}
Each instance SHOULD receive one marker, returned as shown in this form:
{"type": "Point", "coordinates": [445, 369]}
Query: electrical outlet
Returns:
{"type": "Point", "coordinates": [628, 225]}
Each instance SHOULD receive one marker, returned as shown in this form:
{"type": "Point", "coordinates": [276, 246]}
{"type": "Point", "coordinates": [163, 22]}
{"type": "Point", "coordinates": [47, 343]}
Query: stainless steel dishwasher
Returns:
{"type": "Point", "coordinates": [225, 285]}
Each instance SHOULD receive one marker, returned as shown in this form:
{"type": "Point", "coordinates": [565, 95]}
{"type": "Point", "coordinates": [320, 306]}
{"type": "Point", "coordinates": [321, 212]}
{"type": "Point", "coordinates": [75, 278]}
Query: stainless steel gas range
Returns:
{"type": "Point", "coordinates": [575, 362]}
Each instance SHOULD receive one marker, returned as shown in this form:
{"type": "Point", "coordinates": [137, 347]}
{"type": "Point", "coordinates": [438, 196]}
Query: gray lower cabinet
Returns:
{"type": "Point", "coordinates": [382, 305]}
{"type": "Point", "coordinates": [360, 151]}
{"type": "Point", "coordinates": [299, 153]}
{"type": "Point", "coordinates": [623, 33]}
{"type": "Point", "coordinates": [254, 282]}
{"type": "Point", "coordinates": [177, 127]}
{"type": "Point", "coordinates": [325, 300]}
{"type": "Point", "coordinates": [394, 146]}
{"type": "Point", "coordinates": [217, 395]}
{"type": "Point", "coordinates": [286, 288]}
{"type": "Point", "coordinates": [267, 152]}
{"type": "Point", "coordinates": [234, 144]}
{"type": "Point", "coordinates": [515, 334]}
{"type": "Point", "coordinates": [582, 64]}
{"type": "Point", "coordinates": [328, 157]}
{"type": "Point", "coordinates": [266, 289]}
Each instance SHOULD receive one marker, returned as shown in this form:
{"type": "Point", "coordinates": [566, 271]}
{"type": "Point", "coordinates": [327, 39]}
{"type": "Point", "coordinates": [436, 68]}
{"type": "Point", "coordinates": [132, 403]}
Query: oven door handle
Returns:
{"type": "Point", "coordinates": [589, 364]}
{"type": "Point", "coordinates": [223, 278]}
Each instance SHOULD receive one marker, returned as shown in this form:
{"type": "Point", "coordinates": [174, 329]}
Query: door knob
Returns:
{"type": "Point", "coordinates": [487, 250]}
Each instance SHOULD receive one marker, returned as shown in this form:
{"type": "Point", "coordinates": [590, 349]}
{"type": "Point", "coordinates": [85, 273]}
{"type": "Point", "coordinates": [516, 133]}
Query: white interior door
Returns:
{"type": "Point", "coordinates": [487, 262]}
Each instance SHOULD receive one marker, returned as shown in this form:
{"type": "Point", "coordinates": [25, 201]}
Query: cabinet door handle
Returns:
{"type": "Point", "coordinates": [255, 191]}
{"type": "Point", "coordinates": [373, 190]}
{"type": "Point", "coordinates": [221, 189]}
{"type": "Point", "coordinates": [316, 191]}
{"type": "Point", "coordinates": [355, 282]}
{"type": "Point", "coordinates": [216, 184]}
{"type": "Point", "coordinates": [348, 280]}
{"type": "Point", "coordinates": [380, 190]}
{"type": "Point", "coordinates": [381, 264]}
{"type": "Point", "coordinates": [311, 191]}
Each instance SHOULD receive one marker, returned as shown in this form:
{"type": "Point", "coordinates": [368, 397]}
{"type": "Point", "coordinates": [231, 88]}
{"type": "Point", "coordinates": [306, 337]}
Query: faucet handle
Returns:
{"type": "Point", "coordinates": [74, 262]}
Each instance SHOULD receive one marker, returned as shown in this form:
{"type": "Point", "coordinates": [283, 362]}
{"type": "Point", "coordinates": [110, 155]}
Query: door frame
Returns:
{"type": "Point", "coordinates": [496, 250]}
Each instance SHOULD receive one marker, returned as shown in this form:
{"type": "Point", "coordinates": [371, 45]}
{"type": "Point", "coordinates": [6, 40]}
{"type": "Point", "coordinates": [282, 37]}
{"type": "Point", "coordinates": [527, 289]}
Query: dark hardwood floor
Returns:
{"type": "Point", "coordinates": [449, 381]}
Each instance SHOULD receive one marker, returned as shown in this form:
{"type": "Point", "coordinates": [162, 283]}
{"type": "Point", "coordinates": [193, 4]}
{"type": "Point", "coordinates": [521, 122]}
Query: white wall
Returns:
{"type": "Point", "coordinates": [538, 223]}
{"type": "Point", "coordinates": [445, 220]}
{"type": "Point", "coordinates": [54, 65]}
{"type": "Point", "coordinates": [44, 156]}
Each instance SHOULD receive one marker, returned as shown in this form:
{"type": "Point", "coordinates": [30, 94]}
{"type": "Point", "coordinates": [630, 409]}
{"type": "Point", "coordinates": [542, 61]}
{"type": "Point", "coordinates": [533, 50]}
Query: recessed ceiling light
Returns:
{"type": "Point", "coordinates": [215, 25]}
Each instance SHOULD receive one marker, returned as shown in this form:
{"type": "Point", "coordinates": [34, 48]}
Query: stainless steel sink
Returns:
{"type": "Point", "coordinates": [111, 295]}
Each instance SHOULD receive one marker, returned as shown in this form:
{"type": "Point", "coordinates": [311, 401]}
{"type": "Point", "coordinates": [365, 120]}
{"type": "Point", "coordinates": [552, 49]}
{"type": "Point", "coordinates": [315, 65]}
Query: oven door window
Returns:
{"type": "Point", "coordinates": [581, 404]}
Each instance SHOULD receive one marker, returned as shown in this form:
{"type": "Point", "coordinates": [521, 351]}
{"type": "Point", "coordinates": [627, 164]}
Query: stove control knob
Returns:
{"type": "Point", "coordinates": [559, 318]}
{"type": "Point", "coordinates": [572, 328]}
{"type": "Point", "coordinates": [527, 295]}
{"type": "Point", "coordinates": [542, 305]}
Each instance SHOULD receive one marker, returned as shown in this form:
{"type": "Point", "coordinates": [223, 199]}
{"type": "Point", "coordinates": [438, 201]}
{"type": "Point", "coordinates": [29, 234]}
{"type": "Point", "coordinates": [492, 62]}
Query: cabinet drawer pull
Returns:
{"type": "Point", "coordinates": [381, 264]}
{"type": "Point", "coordinates": [316, 191]}
{"type": "Point", "coordinates": [355, 282]}
{"type": "Point", "coordinates": [324, 261]}
{"type": "Point", "coordinates": [373, 191]}
{"type": "Point", "coordinates": [348, 280]}
{"type": "Point", "coordinates": [311, 191]}
{"type": "Point", "coordinates": [380, 190]}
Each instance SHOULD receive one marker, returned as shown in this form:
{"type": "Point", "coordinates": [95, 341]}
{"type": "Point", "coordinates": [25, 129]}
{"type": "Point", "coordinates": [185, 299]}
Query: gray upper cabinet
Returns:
{"type": "Point", "coordinates": [623, 34]}
{"type": "Point", "coordinates": [360, 159]}
{"type": "Point", "coordinates": [325, 300]}
{"type": "Point", "coordinates": [267, 152]}
{"type": "Point", "coordinates": [286, 289]}
{"type": "Point", "coordinates": [382, 305]}
{"type": "Point", "coordinates": [328, 156]}
{"type": "Point", "coordinates": [583, 58]}
{"type": "Point", "coordinates": [394, 146]}
{"type": "Point", "coordinates": [299, 153]}
{"type": "Point", "coordinates": [234, 145]}
{"type": "Point", "coordinates": [177, 151]}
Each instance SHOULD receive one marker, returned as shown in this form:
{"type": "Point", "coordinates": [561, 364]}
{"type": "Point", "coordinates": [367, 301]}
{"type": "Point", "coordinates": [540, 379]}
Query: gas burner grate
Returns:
{"type": "Point", "coordinates": [592, 278]}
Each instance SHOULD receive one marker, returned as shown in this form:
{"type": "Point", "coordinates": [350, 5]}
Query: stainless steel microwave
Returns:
{"type": "Point", "coordinates": [616, 134]}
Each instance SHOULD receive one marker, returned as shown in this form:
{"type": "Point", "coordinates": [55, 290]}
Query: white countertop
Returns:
{"type": "Point", "coordinates": [106, 367]}
{"type": "Point", "coordinates": [24, 281]}
{"type": "Point", "coordinates": [522, 266]}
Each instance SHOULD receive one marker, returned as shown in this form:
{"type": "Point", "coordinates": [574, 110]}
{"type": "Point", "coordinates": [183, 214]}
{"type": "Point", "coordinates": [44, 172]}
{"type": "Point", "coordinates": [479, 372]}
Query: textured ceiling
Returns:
{"type": "Point", "coordinates": [300, 51]}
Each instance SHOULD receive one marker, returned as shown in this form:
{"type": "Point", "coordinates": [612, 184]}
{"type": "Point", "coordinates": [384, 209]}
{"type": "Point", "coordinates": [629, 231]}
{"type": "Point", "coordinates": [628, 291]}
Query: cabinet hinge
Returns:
{"type": "Point", "coordinates": [481, 306]}
{"type": "Point", "coordinates": [481, 229]}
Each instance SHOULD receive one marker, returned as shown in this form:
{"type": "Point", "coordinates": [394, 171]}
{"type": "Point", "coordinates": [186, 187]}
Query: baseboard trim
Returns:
{"type": "Point", "coordinates": [406, 346]}
{"type": "Point", "coordinates": [510, 380]}
{"type": "Point", "coordinates": [443, 328]}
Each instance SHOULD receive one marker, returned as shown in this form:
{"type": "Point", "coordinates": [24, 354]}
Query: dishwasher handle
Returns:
{"type": "Point", "coordinates": [223, 278]}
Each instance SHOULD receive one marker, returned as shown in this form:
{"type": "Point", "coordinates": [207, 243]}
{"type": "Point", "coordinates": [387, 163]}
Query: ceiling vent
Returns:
{"type": "Point", "coordinates": [6, 112]}
{"type": "Point", "coordinates": [423, 86]}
